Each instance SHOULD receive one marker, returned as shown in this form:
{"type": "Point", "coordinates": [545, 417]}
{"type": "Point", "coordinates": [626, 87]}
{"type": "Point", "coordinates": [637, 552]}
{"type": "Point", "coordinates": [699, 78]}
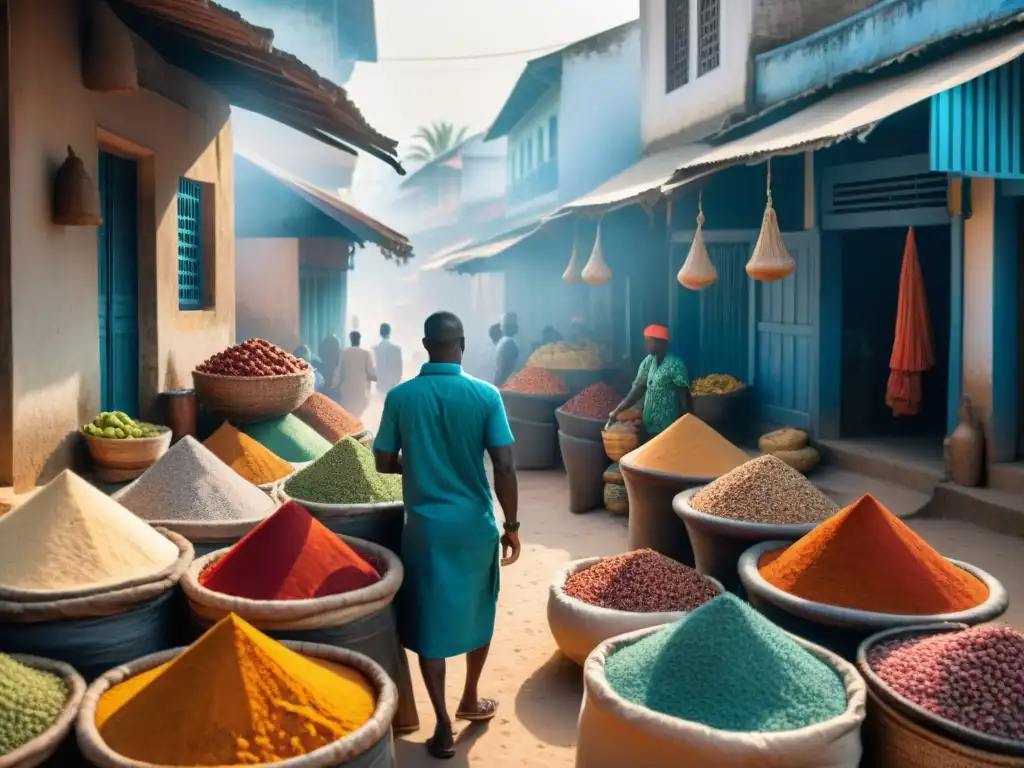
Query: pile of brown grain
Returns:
{"type": "Point", "coordinates": [329, 419]}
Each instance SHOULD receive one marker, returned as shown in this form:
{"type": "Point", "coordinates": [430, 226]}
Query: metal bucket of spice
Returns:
{"type": "Point", "coordinates": [908, 673]}
{"type": "Point", "coordinates": [39, 750]}
{"type": "Point", "coordinates": [645, 582]}
{"type": "Point", "coordinates": [369, 746]}
{"type": "Point", "coordinates": [843, 629]}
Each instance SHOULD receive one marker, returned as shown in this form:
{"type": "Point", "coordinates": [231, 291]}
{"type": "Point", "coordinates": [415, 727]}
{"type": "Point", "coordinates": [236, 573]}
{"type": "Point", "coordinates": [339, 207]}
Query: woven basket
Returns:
{"type": "Point", "coordinates": [247, 399]}
{"type": "Point", "coordinates": [618, 444]}
{"type": "Point", "coordinates": [42, 747]}
{"type": "Point", "coordinates": [339, 753]}
{"type": "Point", "coordinates": [135, 454]}
{"type": "Point", "coordinates": [803, 460]}
{"type": "Point", "coordinates": [893, 741]}
{"type": "Point", "coordinates": [616, 499]}
{"type": "Point", "coordinates": [785, 439]}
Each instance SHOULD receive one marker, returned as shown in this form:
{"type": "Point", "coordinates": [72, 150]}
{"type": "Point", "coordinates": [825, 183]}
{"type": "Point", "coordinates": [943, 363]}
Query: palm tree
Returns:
{"type": "Point", "coordinates": [435, 140]}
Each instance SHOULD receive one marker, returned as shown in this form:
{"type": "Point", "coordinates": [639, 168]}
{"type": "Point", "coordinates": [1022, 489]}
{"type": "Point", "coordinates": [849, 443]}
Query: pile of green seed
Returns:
{"type": "Point", "coordinates": [289, 437]}
{"type": "Point", "coordinates": [30, 702]}
{"type": "Point", "coordinates": [346, 474]}
{"type": "Point", "coordinates": [727, 667]}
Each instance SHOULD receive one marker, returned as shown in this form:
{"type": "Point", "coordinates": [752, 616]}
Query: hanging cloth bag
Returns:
{"type": "Point", "coordinates": [770, 260]}
{"type": "Point", "coordinates": [596, 272]}
{"type": "Point", "coordinates": [572, 275]}
{"type": "Point", "coordinates": [698, 271]}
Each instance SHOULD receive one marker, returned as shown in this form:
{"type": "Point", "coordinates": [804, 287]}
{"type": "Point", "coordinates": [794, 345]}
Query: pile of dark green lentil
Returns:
{"type": "Point", "coordinates": [30, 702]}
{"type": "Point", "coordinates": [346, 474]}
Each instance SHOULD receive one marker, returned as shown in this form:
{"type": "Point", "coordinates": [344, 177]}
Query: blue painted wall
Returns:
{"type": "Point", "coordinates": [869, 38]}
{"type": "Point", "coordinates": [976, 128]}
{"type": "Point", "coordinates": [1006, 258]}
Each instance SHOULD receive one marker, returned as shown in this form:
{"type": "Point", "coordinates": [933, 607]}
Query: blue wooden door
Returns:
{"type": "Point", "coordinates": [724, 309]}
{"type": "Point", "coordinates": [786, 337]}
{"type": "Point", "coordinates": [118, 281]}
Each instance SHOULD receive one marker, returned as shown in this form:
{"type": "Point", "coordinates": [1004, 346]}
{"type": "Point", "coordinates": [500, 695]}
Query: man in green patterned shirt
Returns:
{"type": "Point", "coordinates": [662, 382]}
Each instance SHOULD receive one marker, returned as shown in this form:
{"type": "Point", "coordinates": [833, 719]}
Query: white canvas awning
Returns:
{"type": "Point", "coordinates": [853, 112]}
{"type": "Point", "coordinates": [485, 249]}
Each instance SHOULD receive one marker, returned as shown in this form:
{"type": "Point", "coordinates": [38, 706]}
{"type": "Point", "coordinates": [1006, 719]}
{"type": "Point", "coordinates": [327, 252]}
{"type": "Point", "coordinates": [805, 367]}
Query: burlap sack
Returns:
{"type": "Point", "coordinates": [40, 749]}
{"type": "Point", "coordinates": [371, 746]}
{"type": "Point", "coordinates": [578, 627]}
{"type": "Point", "coordinates": [785, 439]}
{"type": "Point", "coordinates": [614, 732]}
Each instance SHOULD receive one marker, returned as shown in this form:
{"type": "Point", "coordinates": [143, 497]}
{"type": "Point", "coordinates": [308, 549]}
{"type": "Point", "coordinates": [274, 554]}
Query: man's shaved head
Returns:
{"type": "Point", "coordinates": [444, 337]}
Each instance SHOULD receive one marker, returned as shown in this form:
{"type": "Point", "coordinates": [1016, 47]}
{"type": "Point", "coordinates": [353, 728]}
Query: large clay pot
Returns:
{"type": "Point", "coordinates": [967, 447]}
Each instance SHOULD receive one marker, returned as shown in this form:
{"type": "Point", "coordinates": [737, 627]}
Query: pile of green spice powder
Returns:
{"type": "Point", "coordinates": [30, 702]}
{"type": "Point", "coordinates": [289, 437]}
{"type": "Point", "coordinates": [346, 474]}
{"type": "Point", "coordinates": [726, 666]}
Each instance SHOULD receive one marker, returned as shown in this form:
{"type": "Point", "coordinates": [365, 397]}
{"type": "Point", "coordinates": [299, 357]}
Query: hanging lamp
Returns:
{"type": "Point", "coordinates": [108, 57]}
{"type": "Point", "coordinates": [698, 271]}
{"type": "Point", "coordinates": [572, 275]}
{"type": "Point", "coordinates": [596, 272]}
{"type": "Point", "coordinates": [76, 198]}
{"type": "Point", "coordinates": [770, 260]}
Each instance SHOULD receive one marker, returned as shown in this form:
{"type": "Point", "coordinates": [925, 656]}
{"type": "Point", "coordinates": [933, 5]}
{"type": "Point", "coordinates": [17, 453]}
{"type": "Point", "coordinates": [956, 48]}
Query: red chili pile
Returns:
{"type": "Point", "coordinates": [643, 581]}
{"type": "Point", "coordinates": [594, 402]}
{"type": "Point", "coordinates": [255, 357]}
{"type": "Point", "coordinates": [537, 381]}
{"type": "Point", "coordinates": [974, 677]}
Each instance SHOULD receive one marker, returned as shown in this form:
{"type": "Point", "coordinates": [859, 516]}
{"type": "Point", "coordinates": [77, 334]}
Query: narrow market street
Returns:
{"type": "Point", "coordinates": [539, 690]}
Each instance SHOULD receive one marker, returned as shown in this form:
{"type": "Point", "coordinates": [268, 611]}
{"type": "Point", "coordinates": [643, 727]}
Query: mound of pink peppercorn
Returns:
{"type": "Point", "coordinates": [974, 677]}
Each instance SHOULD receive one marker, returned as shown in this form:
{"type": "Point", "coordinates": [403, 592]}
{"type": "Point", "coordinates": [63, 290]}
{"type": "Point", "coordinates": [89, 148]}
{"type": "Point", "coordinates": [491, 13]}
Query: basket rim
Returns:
{"type": "Point", "coordinates": [318, 509]}
{"type": "Point", "coordinates": [915, 712]}
{"type": "Point", "coordinates": [49, 740]}
{"type": "Point", "coordinates": [553, 398]}
{"type": "Point", "coordinates": [837, 616]}
{"type": "Point", "coordinates": [376, 728]}
{"type": "Point", "coordinates": [557, 588]}
{"type": "Point", "coordinates": [738, 528]}
{"type": "Point", "coordinates": [563, 412]}
{"type": "Point", "coordinates": [658, 475]}
{"type": "Point", "coordinates": [165, 432]}
{"type": "Point", "coordinates": [275, 377]}
{"type": "Point", "coordinates": [743, 388]}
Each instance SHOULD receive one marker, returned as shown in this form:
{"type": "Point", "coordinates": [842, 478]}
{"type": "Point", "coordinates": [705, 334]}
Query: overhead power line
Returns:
{"type": "Point", "coordinates": [474, 56]}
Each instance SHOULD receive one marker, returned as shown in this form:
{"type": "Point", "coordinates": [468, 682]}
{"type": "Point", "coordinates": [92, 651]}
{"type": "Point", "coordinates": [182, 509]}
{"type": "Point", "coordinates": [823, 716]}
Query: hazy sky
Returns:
{"type": "Point", "coordinates": [398, 96]}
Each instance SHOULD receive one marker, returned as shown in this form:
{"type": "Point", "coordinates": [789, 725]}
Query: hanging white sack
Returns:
{"type": "Point", "coordinates": [572, 275]}
{"type": "Point", "coordinates": [770, 260]}
{"type": "Point", "coordinates": [698, 271]}
{"type": "Point", "coordinates": [596, 272]}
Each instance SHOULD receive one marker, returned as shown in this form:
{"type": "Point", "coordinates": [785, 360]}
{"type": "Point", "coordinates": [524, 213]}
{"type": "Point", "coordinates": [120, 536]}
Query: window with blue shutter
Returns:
{"type": "Point", "coordinates": [191, 268]}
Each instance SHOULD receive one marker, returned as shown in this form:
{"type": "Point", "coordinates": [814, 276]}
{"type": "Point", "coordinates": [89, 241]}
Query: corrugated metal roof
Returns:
{"type": "Point", "coordinates": [238, 59]}
{"type": "Point", "coordinates": [853, 112]}
{"type": "Point", "coordinates": [486, 248]}
{"type": "Point", "coordinates": [392, 244]}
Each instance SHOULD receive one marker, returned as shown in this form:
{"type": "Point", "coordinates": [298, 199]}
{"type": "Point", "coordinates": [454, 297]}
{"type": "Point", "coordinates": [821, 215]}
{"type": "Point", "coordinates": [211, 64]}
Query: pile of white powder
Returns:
{"type": "Point", "coordinates": [190, 484]}
{"type": "Point", "coordinates": [71, 535]}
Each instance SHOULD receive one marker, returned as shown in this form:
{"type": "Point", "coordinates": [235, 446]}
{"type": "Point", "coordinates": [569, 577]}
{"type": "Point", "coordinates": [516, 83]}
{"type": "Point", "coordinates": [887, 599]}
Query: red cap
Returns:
{"type": "Point", "coordinates": [656, 332]}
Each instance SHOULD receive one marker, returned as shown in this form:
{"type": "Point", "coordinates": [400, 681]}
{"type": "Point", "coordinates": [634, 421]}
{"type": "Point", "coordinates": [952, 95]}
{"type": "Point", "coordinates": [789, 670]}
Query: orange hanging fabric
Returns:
{"type": "Point", "coordinates": [912, 352]}
{"type": "Point", "coordinates": [770, 260]}
{"type": "Point", "coordinates": [698, 271]}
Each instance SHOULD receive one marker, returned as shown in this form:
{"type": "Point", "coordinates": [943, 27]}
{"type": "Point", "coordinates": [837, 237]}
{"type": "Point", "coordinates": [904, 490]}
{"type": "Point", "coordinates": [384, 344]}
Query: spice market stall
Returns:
{"type": "Point", "coordinates": [84, 581]}
{"type": "Point", "coordinates": [294, 579]}
{"type": "Point", "coordinates": [722, 401]}
{"type": "Point", "coordinates": [578, 365]}
{"type": "Point", "coordinates": [237, 697]}
{"type": "Point", "coordinates": [531, 398]}
{"type": "Point", "coordinates": [723, 687]}
{"type": "Point", "coordinates": [248, 458]}
{"type": "Point", "coordinates": [580, 423]}
{"type": "Point", "coordinates": [687, 454]}
{"type": "Point", "coordinates": [861, 571]}
{"type": "Point", "coordinates": [762, 500]}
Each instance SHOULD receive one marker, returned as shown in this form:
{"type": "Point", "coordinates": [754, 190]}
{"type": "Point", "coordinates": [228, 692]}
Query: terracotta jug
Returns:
{"type": "Point", "coordinates": [967, 447]}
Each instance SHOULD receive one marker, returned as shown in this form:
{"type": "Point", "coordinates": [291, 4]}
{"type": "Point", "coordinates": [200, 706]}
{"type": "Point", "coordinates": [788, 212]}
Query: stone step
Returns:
{"type": "Point", "coordinates": [844, 487]}
{"type": "Point", "coordinates": [1008, 477]}
{"type": "Point", "coordinates": [989, 508]}
{"type": "Point", "coordinates": [918, 474]}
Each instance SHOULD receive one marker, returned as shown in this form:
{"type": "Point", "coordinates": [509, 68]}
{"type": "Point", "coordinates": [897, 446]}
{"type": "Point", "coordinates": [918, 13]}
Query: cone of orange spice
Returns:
{"type": "Point", "coordinates": [866, 558]}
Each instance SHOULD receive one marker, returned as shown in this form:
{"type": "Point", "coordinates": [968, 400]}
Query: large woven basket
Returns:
{"type": "Point", "coordinates": [618, 444]}
{"type": "Point", "coordinates": [42, 747]}
{"type": "Point", "coordinates": [246, 399]}
{"type": "Point", "coordinates": [134, 454]}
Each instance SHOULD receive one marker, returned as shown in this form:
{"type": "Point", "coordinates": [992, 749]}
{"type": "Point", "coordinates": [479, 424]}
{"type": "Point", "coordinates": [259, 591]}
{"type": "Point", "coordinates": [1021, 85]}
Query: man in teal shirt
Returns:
{"type": "Point", "coordinates": [434, 432]}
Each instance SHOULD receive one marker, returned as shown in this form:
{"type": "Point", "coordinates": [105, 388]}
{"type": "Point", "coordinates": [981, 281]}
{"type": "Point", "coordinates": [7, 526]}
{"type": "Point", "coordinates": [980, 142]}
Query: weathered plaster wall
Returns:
{"type": "Point", "coordinates": [54, 318]}
{"type": "Point", "coordinates": [267, 290]}
{"type": "Point", "coordinates": [777, 22]}
{"type": "Point", "coordinates": [978, 288]}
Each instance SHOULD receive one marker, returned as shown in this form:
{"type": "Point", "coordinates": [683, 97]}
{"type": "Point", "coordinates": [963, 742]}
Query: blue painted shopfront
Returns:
{"type": "Point", "coordinates": [118, 284]}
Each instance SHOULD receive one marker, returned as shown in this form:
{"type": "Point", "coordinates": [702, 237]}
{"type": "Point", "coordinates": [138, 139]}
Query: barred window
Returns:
{"type": "Point", "coordinates": [709, 37]}
{"type": "Point", "coordinates": [190, 245]}
{"type": "Point", "coordinates": [677, 44]}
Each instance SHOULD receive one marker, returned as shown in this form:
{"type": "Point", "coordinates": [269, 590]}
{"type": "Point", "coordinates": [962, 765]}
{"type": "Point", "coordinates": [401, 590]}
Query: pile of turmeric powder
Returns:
{"type": "Point", "coordinates": [689, 448]}
{"type": "Point", "coordinates": [234, 697]}
{"type": "Point", "coordinates": [249, 458]}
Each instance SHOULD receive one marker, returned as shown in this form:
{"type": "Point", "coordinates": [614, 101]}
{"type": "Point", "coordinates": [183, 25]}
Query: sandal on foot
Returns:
{"type": "Point", "coordinates": [488, 709]}
{"type": "Point", "coordinates": [439, 753]}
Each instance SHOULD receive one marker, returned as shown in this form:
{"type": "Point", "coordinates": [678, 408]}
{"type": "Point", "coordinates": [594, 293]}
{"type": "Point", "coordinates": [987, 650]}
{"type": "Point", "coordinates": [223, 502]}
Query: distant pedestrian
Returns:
{"type": "Point", "coordinates": [303, 353]}
{"type": "Point", "coordinates": [389, 361]}
{"type": "Point", "coordinates": [508, 350]}
{"type": "Point", "coordinates": [495, 333]}
{"type": "Point", "coordinates": [354, 375]}
{"type": "Point", "coordinates": [330, 359]}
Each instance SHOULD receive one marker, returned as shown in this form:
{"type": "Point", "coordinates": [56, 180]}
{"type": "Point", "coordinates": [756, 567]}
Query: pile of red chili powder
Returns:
{"type": "Point", "coordinates": [974, 677]}
{"type": "Point", "coordinates": [643, 581]}
{"type": "Point", "coordinates": [289, 556]}
{"type": "Point", "coordinates": [594, 402]}
{"type": "Point", "coordinates": [536, 381]}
